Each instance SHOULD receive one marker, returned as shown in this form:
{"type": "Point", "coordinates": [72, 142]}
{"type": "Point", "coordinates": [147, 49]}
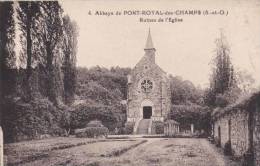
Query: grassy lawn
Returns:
{"type": "Point", "coordinates": [171, 152]}
{"type": "Point", "coordinates": [55, 151]}
{"type": "Point", "coordinates": [116, 152]}
{"type": "Point", "coordinates": [18, 153]}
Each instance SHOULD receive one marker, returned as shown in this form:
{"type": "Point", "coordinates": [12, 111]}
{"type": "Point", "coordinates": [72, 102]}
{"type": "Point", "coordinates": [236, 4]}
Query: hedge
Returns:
{"type": "Point", "coordinates": [129, 128]}
{"type": "Point", "coordinates": [157, 127]}
{"type": "Point", "coordinates": [92, 132]}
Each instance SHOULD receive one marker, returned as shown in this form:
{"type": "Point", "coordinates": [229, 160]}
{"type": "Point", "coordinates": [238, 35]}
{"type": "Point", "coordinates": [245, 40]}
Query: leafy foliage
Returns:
{"type": "Point", "coordinates": [34, 90]}
{"type": "Point", "coordinates": [129, 128]}
{"type": "Point", "coordinates": [92, 132]}
{"type": "Point", "coordinates": [227, 148]}
{"type": "Point", "coordinates": [193, 114]}
{"type": "Point", "coordinates": [102, 91]}
{"type": "Point", "coordinates": [69, 58]}
{"type": "Point", "coordinates": [108, 115]}
{"type": "Point", "coordinates": [158, 127]}
{"type": "Point", "coordinates": [223, 76]}
{"type": "Point", "coordinates": [184, 92]}
{"type": "Point", "coordinates": [7, 54]}
{"type": "Point", "coordinates": [28, 17]}
{"type": "Point", "coordinates": [30, 120]}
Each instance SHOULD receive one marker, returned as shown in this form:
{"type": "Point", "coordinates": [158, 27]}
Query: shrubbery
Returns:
{"type": "Point", "coordinates": [217, 142]}
{"type": "Point", "coordinates": [25, 121]}
{"type": "Point", "coordinates": [92, 132]}
{"type": "Point", "coordinates": [158, 127]}
{"type": "Point", "coordinates": [110, 117]}
{"type": "Point", "coordinates": [248, 158]}
{"type": "Point", "coordinates": [192, 114]}
{"type": "Point", "coordinates": [227, 148]}
{"type": "Point", "coordinates": [129, 128]}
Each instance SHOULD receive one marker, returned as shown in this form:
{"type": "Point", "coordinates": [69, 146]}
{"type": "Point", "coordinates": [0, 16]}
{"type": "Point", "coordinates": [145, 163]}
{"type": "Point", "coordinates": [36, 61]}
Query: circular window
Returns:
{"type": "Point", "coordinates": [146, 85]}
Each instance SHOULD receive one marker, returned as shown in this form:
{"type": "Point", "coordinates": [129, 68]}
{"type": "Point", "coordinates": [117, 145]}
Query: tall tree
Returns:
{"type": "Point", "coordinates": [7, 53]}
{"type": "Point", "coordinates": [222, 78]}
{"type": "Point", "coordinates": [69, 58]}
{"type": "Point", "coordinates": [7, 35]}
{"type": "Point", "coordinates": [51, 33]}
{"type": "Point", "coordinates": [28, 17]}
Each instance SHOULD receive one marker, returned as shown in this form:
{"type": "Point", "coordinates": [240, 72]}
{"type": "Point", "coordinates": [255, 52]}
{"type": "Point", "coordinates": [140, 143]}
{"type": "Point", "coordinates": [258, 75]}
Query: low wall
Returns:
{"type": "Point", "coordinates": [240, 124]}
{"type": "Point", "coordinates": [233, 127]}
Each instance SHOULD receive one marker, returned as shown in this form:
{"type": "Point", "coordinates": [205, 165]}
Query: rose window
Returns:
{"type": "Point", "coordinates": [146, 85]}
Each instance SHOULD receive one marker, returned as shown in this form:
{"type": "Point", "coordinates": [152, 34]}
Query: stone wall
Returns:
{"type": "Point", "coordinates": [239, 132]}
{"type": "Point", "coordinates": [233, 127]}
{"type": "Point", "coordinates": [240, 123]}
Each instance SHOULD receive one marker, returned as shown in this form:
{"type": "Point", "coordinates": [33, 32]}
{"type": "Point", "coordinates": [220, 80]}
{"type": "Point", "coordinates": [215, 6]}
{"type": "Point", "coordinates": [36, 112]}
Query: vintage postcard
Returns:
{"type": "Point", "coordinates": [130, 83]}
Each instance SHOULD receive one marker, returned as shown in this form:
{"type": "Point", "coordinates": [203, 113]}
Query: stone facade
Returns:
{"type": "Point", "coordinates": [148, 89]}
{"type": "Point", "coordinates": [239, 124]}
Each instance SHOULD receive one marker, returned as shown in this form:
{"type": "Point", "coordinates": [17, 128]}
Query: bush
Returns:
{"type": "Point", "coordinates": [227, 148]}
{"type": "Point", "coordinates": [217, 142]}
{"type": "Point", "coordinates": [158, 127]}
{"type": "Point", "coordinates": [84, 113]}
{"type": "Point", "coordinates": [30, 120]}
{"type": "Point", "coordinates": [129, 127]}
{"type": "Point", "coordinates": [248, 158]}
{"type": "Point", "coordinates": [92, 132]}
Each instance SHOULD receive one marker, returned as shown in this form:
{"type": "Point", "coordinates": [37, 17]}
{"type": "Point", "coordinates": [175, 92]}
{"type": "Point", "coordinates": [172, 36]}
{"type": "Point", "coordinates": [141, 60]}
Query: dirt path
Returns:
{"type": "Point", "coordinates": [219, 159]}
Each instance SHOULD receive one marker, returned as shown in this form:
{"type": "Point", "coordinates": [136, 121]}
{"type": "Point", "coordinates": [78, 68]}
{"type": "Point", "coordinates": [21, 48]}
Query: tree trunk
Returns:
{"type": "Point", "coordinates": [29, 61]}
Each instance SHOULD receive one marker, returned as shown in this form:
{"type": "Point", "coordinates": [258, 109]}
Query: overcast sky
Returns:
{"type": "Point", "coordinates": [184, 48]}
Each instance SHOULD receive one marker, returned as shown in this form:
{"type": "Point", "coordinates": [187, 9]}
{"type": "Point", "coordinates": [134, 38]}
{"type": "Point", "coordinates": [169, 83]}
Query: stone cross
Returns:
{"type": "Point", "coordinates": [1, 147]}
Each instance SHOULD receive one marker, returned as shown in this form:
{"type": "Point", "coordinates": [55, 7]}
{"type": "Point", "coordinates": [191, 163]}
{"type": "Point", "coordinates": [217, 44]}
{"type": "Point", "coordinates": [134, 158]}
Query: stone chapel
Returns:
{"type": "Point", "coordinates": [148, 88]}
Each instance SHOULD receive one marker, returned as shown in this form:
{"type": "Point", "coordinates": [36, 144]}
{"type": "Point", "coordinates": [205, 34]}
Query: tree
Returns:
{"type": "Point", "coordinates": [51, 32]}
{"type": "Point", "coordinates": [7, 35]}
{"type": "Point", "coordinates": [245, 81]}
{"type": "Point", "coordinates": [66, 121]}
{"type": "Point", "coordinates": [184, 92]}
{"type": "Point", "coordinates": [69, 48]}
{"type": "Point", "coordinates": [28, 17]}
{"type": "Point", "coordinates": [7, 53]}
{"type": "Point", "coordinates": [223, 77]}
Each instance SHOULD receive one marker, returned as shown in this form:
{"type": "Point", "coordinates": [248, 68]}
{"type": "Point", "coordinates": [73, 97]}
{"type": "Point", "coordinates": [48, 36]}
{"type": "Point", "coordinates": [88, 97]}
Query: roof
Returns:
{"type": "Point", "coordinates": [149, 42]}
{"type": "Point", "coordinates": [241, 104]}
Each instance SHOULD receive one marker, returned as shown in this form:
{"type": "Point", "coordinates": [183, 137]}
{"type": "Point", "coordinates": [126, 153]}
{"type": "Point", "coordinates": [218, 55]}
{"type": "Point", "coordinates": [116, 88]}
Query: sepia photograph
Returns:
{"type": "Point", "coordinates": [130, 83]}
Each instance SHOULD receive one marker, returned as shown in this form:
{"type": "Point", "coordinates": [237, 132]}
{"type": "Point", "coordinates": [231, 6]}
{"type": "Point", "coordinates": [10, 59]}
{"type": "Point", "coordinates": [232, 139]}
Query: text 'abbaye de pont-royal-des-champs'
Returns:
{"type": "Point", "coordinates": [159, 12]}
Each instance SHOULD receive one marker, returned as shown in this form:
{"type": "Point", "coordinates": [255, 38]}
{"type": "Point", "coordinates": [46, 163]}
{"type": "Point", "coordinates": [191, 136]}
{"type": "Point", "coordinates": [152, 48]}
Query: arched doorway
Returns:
{"type": "Point", "coordinates": [146, 110]}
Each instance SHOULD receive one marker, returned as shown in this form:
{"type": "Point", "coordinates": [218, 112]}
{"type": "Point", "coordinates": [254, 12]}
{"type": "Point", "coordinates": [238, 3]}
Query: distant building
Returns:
{"type": "Point", "coordinates": [239, 124]}
{"type": "Point", "coordinates": [148, 89]}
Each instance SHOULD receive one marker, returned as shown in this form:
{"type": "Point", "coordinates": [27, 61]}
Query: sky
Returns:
{"type": "Point", "coordinates": [183, 48]}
